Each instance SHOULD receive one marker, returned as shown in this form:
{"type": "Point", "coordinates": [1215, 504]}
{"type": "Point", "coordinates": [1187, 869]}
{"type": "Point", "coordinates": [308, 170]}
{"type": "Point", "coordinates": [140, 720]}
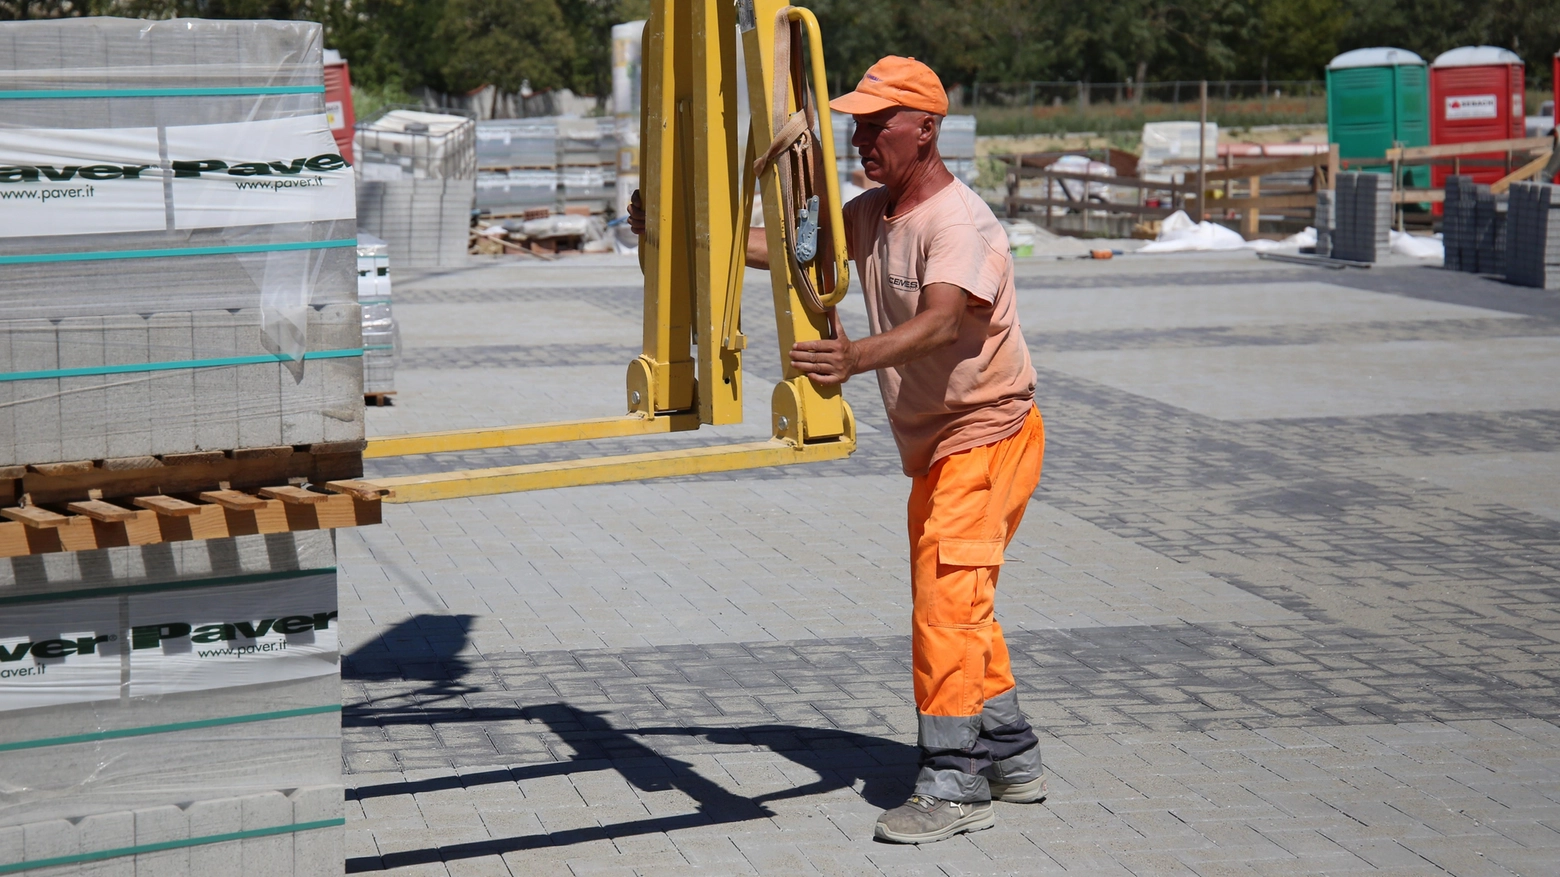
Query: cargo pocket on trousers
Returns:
{"type": "Point", "coordinates": [959, 603]}
{"type": "Point", "coordinates": [970, 552]}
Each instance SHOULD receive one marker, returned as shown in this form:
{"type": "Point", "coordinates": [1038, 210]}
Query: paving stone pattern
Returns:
{"type": "Point", "coordinates": [1251, 646]}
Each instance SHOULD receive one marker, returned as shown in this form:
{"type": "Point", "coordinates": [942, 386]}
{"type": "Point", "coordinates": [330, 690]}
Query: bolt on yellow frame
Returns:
{"type": "Point", "coordinates": [697, 189]}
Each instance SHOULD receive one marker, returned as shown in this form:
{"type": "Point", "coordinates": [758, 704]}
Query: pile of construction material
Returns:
{"type": "Point", "coordinates": [417, 177]}
{"type": "Point", "coordinates": [1362, 228]}
{"type": "Point", "coordinates": [955, 142]}
{"type": "Point", "coordinates": [1326, 220]}
{"type": "Point", "coordinates": [1533, 236]}
{"type": "Point", "coordinates": [553, 162]}
{"type": "Point", "coordinates": [177, 273]}
{"type": "Point", "coordinates": [381, 333]}
{"type": "Point", "coordinates": [1474, 228]}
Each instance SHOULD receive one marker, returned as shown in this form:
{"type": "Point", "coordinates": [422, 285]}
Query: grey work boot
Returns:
{"type": "Point", "coordinates": [924, 819]}
{"type": "Point", "coordinates": [1019, 793]}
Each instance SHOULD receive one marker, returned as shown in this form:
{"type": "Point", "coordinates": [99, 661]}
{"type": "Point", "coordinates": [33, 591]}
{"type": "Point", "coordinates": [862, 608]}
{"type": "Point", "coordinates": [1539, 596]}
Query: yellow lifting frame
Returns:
{"type": "Point", "coordinates": [697, 189]}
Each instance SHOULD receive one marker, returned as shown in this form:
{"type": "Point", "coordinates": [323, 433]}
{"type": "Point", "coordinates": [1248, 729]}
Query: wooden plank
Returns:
{"type": "Point", "coordinates": [127, 464]}
{"type": "Point", "coordinates": [1095, 206]}
{"type": "Point", "coordinates": [1129, 182]}
{"type": "Point", "coordinates": [33, 516]}
{"type": "Point", "coordinates": [98, 510]}
{"type": "Point", "coordinates": [167, 505]}
{"type": "Point", "coordinates": [74, 467]}
{"type": "Point", "coordinates": [203, 472]}
{"type": "Point", "coordinates": [293, 495]}
{"type": "Point", "coordinates": [265, 453]}
{"type": "Point", "coordinates": [1526, 172]}
{"type": "Point", "coordinates": [233, 499]}
{"type": "Point", "coordinates": [11, 473]}
{"type": "Point", "coordinates": [1418, 196]}
{"type": "Point", "coordinates": [358, 489]}
{"type": "Point", "coordinates": [1268, 166]}
{"type": "Point", "coordinates": [1261, 202]}
{"type": "Point", "coordinates": [196, 458]}
{"type": "Point", "coordinates": [1450, 150]}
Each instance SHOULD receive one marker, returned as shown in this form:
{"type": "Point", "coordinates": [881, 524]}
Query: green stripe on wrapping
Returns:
{"type": "Point", "coordinates": [37, 258]}
{"type": "Point", "coordinates": [224, 581]}
{"type": "Point", "coordinates": [170, 845]}
{"type": "Point", "coordinates": [51, 93]}
{"type": "Point", "coordinates": [168, 729]}
{"type": "Point", "coordinates": [136, 367]}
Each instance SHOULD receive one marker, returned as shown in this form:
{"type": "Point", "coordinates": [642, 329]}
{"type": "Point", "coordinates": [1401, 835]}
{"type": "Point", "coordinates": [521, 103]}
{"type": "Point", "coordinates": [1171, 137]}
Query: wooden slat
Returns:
{"type": "Point", "coordinates": [1093, 206]}
{"type": "Point", "coordinates": [99, 510]}
{"type": "Point", "coordinates": [1526, 172]}
{"type": "Point", "coordinates": [1450, 150]}
{"type": "Point", "coordinates": [358, 489]}
{"type": "Point", "coordinates": [261, 453]}
{"type": "Point", "coordinates": [293, 495]}
{"type": "Point", "coordinates": [167, 505]}
{"type": "Point", "coordinates": [1260, 202]}
{"type": "Point", "coordinates": [1268, 166]}
{"type": "Point", "coordinates": [33, 516]}
{"type": "Point", "coordinates": [236, 500]}
{"type": "Point", "coordinates": [75, 467]}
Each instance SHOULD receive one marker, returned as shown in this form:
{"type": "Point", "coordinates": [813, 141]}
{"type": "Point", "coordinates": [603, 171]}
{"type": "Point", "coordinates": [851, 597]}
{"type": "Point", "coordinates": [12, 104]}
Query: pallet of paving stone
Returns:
{"type": "Point", "coordinates": [1362, 232]}
{"type": "Point", "coordinates": [189, 287]}
{"type": "Point", "coordinates": [1533, 236]}
{"type": "Point", "coordinates": [173, 712]}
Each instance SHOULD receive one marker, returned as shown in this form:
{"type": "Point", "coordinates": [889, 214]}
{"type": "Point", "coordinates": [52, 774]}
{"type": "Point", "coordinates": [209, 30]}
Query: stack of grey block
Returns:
{"type": "Point", "coordinates": [1533, 236]}
{"type": "Point", "coordinates": [1363, 228]}
{"type": "Point", "coordinates": [552, 162]}
{"type": "Point", "coordinates": [1457, 224]}
{"type": "Point", "coordinates": [128, 747]}
{"type": "Point", "coordinates": [1489, 230]}
{"type": "Point", "coordinates": [1326, 221]}
{"type": "Point", "coordinates": [81, 329]}
{"type": "Point", "coordinates": [381, 335]}
{"type": "Point", "coordinates": [142, 764]}
{"type": "Point", "coordinates": [417, 179]}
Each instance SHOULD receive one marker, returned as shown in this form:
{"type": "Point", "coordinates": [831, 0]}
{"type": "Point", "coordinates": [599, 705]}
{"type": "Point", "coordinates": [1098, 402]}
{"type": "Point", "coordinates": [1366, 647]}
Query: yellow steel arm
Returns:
{"type": "Point", "coordinates": [697, 188]}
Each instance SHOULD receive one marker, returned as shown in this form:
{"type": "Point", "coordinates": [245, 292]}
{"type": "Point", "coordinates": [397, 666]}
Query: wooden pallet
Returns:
{"type": "Point", "coordinates": [91, 504]}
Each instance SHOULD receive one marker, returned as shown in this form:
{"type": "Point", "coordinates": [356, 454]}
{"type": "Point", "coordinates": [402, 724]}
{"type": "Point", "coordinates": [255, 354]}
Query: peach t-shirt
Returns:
{"type": "Point", "coordinates": [980, 388]}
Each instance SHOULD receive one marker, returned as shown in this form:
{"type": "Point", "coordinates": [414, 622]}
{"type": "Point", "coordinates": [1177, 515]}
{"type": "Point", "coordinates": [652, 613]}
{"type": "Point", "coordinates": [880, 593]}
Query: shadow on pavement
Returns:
{"type": "Point", "coordinates": [427, 649]}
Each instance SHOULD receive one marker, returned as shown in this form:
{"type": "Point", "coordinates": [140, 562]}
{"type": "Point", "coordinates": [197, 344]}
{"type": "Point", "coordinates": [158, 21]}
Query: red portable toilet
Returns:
{"type": "Point", "coordinates": [1476, 93]}
{"type": "Point", "coordinates": [338, 101]}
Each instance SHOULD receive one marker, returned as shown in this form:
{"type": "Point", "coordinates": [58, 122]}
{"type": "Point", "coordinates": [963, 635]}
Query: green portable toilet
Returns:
{"type": "Point", "coordinates": [1377, 99]}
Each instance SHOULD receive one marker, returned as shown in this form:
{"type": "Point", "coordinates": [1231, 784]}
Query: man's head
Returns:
{"type": "Point", "coordinates": [899, 106]}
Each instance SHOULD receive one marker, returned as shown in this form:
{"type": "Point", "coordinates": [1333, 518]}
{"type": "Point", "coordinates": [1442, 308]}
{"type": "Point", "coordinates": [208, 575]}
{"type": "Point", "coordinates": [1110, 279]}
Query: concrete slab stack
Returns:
{"type": "Point", "coordinates": [552, 162]}
{"type": "Point", "coordinates": [1364, 217]}
{"type": "Point", "coordinates": [1533, 236]}
{"type": "Point", "coordinates": [177, 279]}
{"type": "Point", "coordinates": [167, 284]}
{"type": "Point", "coordinates": [417, 178]}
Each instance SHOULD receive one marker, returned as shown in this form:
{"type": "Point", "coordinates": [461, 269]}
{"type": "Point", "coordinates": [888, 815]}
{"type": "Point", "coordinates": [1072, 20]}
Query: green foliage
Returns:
{"type": "Point", "coordinates": [457, 45]}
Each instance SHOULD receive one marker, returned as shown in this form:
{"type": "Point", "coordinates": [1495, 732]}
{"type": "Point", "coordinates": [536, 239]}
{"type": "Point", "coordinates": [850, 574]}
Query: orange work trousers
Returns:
{"type": "Point", "coordinates": [963, 514]}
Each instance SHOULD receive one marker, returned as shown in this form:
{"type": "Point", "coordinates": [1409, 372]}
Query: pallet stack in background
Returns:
{"type": "Point", "coordinates": [417, 177]}
{"type": "Point", "coordinates": [548, 162]}
{"type": "Point", "coordinates": [1533, 236]}
{"type": "Point", "coordinates": [177, 271]}
{"type": "Point", "coordinates": [381, 334]}
{"type": "Point", "coordinates": [1363, 228]}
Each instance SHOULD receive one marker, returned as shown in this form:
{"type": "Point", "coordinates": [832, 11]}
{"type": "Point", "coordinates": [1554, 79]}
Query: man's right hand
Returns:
{"type": "Point", "coordinates": [636, 214]}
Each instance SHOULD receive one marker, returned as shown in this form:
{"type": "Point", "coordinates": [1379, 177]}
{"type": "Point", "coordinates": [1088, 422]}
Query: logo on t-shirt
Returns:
{"type": "Point", "coordinates": [903, 282]}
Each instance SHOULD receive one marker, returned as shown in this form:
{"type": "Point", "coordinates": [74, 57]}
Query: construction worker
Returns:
{"type": "Point", "coordinates": [959, 387]}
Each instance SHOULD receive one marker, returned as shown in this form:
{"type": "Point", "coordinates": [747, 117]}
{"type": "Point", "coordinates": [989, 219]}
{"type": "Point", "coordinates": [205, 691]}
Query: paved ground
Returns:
{"type": "Point", "coordinates": [1285, 602]}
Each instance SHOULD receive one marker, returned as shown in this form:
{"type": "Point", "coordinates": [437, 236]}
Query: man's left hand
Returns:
{"type": "Point", "coordinates": [829, 360]}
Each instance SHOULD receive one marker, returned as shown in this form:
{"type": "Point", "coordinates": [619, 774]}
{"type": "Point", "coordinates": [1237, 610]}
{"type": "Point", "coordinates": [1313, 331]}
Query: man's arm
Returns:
{"type": "Point", "coordinates": [757, 243]}
{"type": "Point", "coordinates": [934, 326]}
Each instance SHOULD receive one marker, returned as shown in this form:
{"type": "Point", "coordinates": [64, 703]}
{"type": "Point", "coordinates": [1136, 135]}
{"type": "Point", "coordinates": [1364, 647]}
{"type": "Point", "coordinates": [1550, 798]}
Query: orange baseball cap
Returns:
{"type": "Point", "coordinates": [895, 82]}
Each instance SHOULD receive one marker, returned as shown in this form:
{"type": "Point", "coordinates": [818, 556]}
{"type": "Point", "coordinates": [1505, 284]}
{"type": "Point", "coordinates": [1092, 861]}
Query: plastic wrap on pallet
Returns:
{"type": "Point", "coordinates": [176, 235]}
{"type": "Point", "coordinates": [417, 185]}
{"type": "Point", "coordinates": [381, 334]}
{"type": "Point", "coordinates": [189, 694]}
